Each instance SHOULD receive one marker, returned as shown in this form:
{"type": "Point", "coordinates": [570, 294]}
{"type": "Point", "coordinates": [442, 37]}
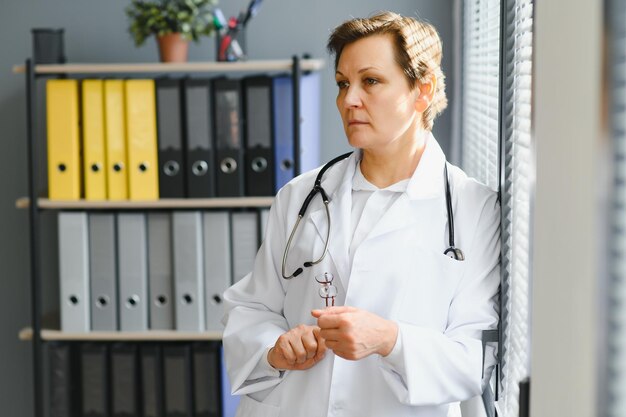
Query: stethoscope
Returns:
{"type": "Point", "coordinates": [452, 252]}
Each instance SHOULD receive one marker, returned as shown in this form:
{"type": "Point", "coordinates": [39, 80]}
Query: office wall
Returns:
{"type": "Point", "coordinates": [96, 31]}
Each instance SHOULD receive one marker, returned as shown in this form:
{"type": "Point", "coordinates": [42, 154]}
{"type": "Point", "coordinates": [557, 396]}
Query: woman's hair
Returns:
{"type": "Point", "coordinates": [417, 51]}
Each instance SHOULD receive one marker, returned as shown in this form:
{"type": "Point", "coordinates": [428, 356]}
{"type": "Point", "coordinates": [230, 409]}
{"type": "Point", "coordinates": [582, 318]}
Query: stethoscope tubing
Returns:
{"type": "Point", "coordinates": [317, 188]}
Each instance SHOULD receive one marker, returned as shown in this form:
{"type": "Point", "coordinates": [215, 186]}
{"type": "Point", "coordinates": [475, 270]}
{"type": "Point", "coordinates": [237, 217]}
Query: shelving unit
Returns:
{"type": "Point", "coordinates": [187, 67]}
{"type": "Point", "coordinates": [167, 203]}
{"type": "Point", "coordinates": [34, 204]}
{"type": "Point", "coordinates": [26, 334]}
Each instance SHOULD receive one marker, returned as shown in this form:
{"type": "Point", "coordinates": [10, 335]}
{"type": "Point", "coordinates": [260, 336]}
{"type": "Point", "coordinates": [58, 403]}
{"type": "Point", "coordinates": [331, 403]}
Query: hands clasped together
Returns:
{"type": "Point", "coordinates": [349, 332]}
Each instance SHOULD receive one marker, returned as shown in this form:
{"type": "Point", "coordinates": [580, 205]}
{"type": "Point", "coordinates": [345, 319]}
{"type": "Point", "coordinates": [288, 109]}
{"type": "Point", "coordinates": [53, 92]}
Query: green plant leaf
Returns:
{"type": "Point", "coordinates": [191, 18]}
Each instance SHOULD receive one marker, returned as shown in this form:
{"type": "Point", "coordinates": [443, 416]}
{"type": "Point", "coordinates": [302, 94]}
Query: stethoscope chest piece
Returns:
{"type": "Point", "coordinates": [455, 253]}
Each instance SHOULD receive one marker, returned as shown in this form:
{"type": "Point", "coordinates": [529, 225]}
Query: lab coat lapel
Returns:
{"type": "Point", "coordinates": [426, 183]}
{"type": "Point", "coordinates": [339, 187]}
{"type": "Point", "coordinates": [400, 215]}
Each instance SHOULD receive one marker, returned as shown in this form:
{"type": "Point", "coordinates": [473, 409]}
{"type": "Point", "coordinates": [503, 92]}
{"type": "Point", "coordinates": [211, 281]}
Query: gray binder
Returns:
{"type": "Point", "coordinates": [160, 271]}
{"type": "Point", "coordinates": [151, 380]}
{"type": "Point", "coordinates": [217, 271]}
{"type": "Point", "coordinates": [62, 379]}
{"type": "Point", "coordinates": [102, 262]}
{"type": "Point", "coordinates": [177, 380]}
{"type": "Point", "coordinates": [74, 272]}
{"type": "Point", "coordinates": [206, 385]}
{"type": "Point", "coordinates": [125, 388]}
{"type": "Point", "coordinates": [133, 274]}
{"type": "Point", "coordinates": [245, 243]}
{"type": "Point", "coordinates": [94, 387]}
{"type": "Point", "coordinates": [188, 271]}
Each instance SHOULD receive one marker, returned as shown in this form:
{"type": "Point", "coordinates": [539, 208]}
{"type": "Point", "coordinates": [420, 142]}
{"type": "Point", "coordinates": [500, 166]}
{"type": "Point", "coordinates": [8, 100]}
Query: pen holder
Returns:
{"type": "Point", "coordinates": [48, 46]}
{"type": "Point", "coordinates": [231, 47]}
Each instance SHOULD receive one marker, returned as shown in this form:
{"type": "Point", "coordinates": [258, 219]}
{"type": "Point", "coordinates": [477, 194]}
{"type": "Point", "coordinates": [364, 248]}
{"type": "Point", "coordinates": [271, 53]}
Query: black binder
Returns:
{"type": "Point", "coordinates": [125, 387]}
{"type": "Point", "coordinates": [94, 367]}
{"type": "Point", "coordinates": [177, 380]}
{"type": "Point", "coordinates": [170, 139]}
{"type": "Point", "coordinates": [198, 128]}
{"type": "Point", "coordinates": [152, 380]}
{"type": "Point", "coordinates": [259, 154]}
{"type": "Point", "coordinates": [228, 137]}
{"type": "Point", "coordinates": [206, 380]}
{"type": "Point", "coordinates": [63, 380]}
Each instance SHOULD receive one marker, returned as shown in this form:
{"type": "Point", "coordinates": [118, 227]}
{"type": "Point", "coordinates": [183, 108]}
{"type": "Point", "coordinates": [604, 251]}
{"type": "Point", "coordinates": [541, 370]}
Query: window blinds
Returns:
{"type": "Point", "coordinates": [616, 384]}
{"type": "Point", "coordinates": [517, 165]}
{"type": "Point", "coordinates": [480, 107]}
{"type": "Point", "coordinates": [485, 118]}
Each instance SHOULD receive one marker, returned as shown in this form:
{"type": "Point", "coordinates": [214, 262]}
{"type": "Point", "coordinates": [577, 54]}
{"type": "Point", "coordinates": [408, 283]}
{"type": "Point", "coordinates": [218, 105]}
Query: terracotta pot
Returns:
{"type": "Point", "coordinates": [173, 48]}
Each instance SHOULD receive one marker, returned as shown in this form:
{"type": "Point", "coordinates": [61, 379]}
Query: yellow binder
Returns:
{"type": "Point", "coordinates": [117, 168]}
{"type": "Point", "coordinates": [93, 140]}
{"type": "Point", "coordinates": [141, 135]}
{"type": "Point", "coordinates": [63, 140]}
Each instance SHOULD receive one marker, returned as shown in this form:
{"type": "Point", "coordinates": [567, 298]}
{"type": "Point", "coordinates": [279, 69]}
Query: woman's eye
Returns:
{"type": "Point", "coordinates": [342, 84]}
{"type": "Point", "coordinates": [371, 81]}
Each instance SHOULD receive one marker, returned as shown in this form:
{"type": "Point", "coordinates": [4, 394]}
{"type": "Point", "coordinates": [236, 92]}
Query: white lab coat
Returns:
{"type": "Point", "coordinates": [399, 272]}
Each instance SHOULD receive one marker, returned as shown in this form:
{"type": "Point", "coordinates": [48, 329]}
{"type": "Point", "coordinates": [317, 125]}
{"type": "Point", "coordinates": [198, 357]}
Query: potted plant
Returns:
{"type": "Point", "coordinates": [173, 22]}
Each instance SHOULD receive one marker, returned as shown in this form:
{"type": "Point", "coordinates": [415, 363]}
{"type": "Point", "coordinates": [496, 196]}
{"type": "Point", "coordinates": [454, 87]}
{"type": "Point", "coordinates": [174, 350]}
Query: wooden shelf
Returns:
{"type": "Point", "coordinates": [26, 334]}
{"type": "Point", "coordinates": [166, 203]}
{"type": "Point", "coordinates": [187, 67]}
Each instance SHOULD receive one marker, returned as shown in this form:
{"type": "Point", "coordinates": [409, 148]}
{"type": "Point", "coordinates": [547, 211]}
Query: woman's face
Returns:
{"type": "Point", "coordinates": [376, 104]}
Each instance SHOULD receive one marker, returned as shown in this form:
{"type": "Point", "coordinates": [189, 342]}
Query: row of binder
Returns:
{"type": "Point", "coordinates": [144, 139]}
{"type": "Point", "coordinates": [135, 271]}
{"type": "Point", "coordinates": [172, 379]}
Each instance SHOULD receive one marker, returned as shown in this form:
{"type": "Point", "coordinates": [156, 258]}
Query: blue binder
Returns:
{"type": "Point", "coordinates": [229, 402]}
{"type": "Point", "coordinates": [283, 126]}
{"type": "Point", "coordinates": [310, 108]}
{"type": "Point", "coordinates": [283, 131]}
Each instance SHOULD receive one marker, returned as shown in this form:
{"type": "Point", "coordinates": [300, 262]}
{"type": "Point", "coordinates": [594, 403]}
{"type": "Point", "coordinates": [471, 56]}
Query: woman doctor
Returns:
{"type": "Point", "coordinates": [385, 324]}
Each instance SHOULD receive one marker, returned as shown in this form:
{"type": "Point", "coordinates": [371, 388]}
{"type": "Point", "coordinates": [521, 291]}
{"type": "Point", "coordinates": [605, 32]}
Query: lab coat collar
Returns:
{"type": "Point", "coordinates": [428, 179]}
{"type": "Point", "coordinates": [426, 182]}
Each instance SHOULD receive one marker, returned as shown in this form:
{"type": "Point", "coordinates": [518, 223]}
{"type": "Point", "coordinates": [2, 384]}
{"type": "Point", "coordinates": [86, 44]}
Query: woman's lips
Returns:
{"type": "Point", "coordinates": [356, 122]}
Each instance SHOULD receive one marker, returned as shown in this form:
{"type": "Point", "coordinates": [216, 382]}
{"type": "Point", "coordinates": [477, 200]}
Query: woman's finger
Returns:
{"type": "Point", "coordinates": [284, 348]}
{"type": "Point", "coordinates": [331, 334]}
{"type": "Point", "coordinates": [321, 344]}
{"type": "Point", "coordinates": [310, 344]}
{"type": "Point", "coordinates": [298, 348]}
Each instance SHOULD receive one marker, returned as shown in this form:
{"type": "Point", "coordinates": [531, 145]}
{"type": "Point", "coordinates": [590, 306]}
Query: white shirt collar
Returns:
{"type": "Point", "coordinates": [360, 183]}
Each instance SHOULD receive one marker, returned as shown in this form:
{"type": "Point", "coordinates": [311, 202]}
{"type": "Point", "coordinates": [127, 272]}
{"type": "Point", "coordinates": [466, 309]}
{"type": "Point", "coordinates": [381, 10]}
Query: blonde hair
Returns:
{"type": "Point", "coordinates": [418, 51]}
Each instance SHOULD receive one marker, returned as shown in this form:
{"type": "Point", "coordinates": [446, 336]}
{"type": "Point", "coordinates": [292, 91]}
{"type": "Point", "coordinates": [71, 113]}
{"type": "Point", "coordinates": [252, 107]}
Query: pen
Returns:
{"type": "Point", "coordinates": [218, 19]}
{"type": "Point", "coordinates": [253, 9]}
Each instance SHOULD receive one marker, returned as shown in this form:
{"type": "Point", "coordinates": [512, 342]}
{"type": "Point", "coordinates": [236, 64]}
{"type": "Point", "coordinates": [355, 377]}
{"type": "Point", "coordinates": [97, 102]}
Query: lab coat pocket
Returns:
{"type": "Point", "coordinates": [428, 288]}
{"type": "Point", "coordinates": [249, 407]}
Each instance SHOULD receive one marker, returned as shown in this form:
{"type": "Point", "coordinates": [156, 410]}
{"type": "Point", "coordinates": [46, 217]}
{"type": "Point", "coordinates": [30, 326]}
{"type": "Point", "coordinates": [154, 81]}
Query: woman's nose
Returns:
{"type": "Point", "coordinates": [352, 97]}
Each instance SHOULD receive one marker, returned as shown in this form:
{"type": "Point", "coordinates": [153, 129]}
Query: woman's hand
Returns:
{"type": "Point", "coordinates": [298, 349]}
{"type": "Point", "coordinates": [354, 334]}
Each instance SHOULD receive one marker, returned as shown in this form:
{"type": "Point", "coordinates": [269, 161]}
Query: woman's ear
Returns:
{"type": "Point", "coordinates": [425, 94]}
